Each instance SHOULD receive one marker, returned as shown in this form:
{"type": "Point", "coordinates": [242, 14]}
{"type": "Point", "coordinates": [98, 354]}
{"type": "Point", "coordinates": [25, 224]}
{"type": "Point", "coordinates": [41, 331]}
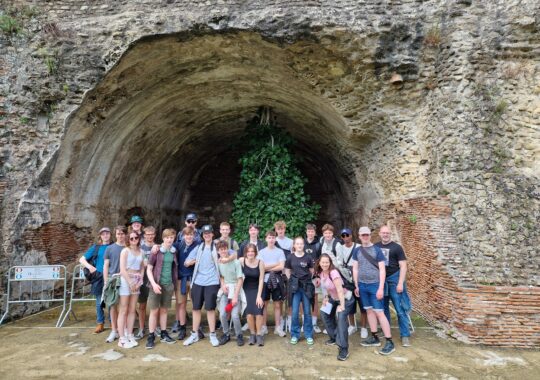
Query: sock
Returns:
{"type": "Point", "coordinates": [388, 339]}
{"type": "Point", "coordinates": [375, 335]}
{"type": "Point", "coordinates": [313, 320]}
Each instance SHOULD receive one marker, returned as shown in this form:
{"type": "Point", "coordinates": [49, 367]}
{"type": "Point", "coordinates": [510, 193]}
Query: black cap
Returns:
{"type": "Point", "coordinates": [207, 228]}
{"type": "Point", "coordinates": [191, 216]}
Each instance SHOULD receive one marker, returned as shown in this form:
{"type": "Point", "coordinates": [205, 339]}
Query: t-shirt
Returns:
{"type": "Point", "coordinates": [285, 243]}
{"type": "Point", "coordinates": [233, 245]}
{"type": "Point", "coordinates": [327, 283]}
{"type": "Point", "coordinates": [231, 271]}
{"type": "Point", "coordinates": [343, 253]}
{"type": "Point", "coordinates": [300, 266]}
{"type": "Point", "coordinates": [271, 257]}
{"type": "Point", "coordinates": [112, 253]}
{"type": "Point", "coordinates": [329, 247]}
{"type": "Point", "coordinates": [259, 243]}
{"type": "Point", "coordinates": [166, 270]}
{"type": "Point", "coordinates": [146, 249]}
{"type": "Point", "coordinates": [367, 273]}
{"type": "Point", "coordinates": [206, 269]}
{"type": "Point", "coordinates": [98, 264]}
{"type": "Point", "coordinates": [393, 252]}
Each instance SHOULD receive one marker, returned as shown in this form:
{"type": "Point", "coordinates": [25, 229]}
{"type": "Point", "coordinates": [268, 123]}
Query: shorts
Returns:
{"type": "Point", "coordinates": [276, 294]}
{"type": "Point", "coordinates": [135, 278]}
{"type": "Point", "coordinates": [206, 295]}
{"type": "Point", "coordinates": [162, 300]}
{"type": "Point", "coordinates": [368, 294]}
{"type": "Point", "coordinates": [184, 282]}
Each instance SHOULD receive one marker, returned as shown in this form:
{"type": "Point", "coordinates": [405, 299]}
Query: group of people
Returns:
{"type": "Point", "coordinates": [305, 277]}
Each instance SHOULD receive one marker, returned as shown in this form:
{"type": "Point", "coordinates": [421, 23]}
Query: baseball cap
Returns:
{"type": "Point", "coordinates": [191, 216]}
{"type": "Point", "coordinates": [135, 219]}
{"type": "Point", "coordinates": [346, 231]}
{"type": "Point", "coordinates": [207, 228]}
{"type": "Point", "coordinates": [104, 229]}
{"type": "Point", "coordinates": [364, 230]}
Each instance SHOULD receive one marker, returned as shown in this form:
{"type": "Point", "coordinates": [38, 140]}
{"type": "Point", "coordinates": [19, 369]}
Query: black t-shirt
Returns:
{"type": "Point", "coordinates": [300, 266]}
{"type": "Point", "coordinates": [393, 252]}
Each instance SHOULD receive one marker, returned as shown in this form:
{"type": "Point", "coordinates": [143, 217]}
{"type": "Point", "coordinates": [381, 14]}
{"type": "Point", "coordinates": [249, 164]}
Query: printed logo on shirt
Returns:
{"type": "Point", "coordinates": [386, 253]}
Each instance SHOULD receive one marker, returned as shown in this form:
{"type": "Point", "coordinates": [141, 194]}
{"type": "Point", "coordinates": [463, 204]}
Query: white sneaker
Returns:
{"type": "Point", "coordinates": [325, 332]}
{"type": "Point", "coordinates": [279, 331]}
{"type": "Point", "coordinates": [193, 338]}
{"type": "Point", "coordinates": [140, 334]}
{"type": "Point", "coordinates": [245, 327]}
{"type": "Point", "coordinates": [264, 330]}
{"type": "Point", "coordinates": [132, 339]}
{"type": "Point", "coordinates": [213, 339]}
{"type": "Point", "coordinates": [112, 337]}
{"type": "Point", "coordinates": [351, 330]}
{"type": "Point", "coordinates": [363, 333]}
{"type": "Point", "coordinates": [124, 342]}
{"type": "Point", "coordinates": [316, 329]}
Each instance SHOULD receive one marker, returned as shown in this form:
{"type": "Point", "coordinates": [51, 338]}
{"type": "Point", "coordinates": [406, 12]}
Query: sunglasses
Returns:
{"type": "Point", "coordinates": [191, 221]}
{"type": "Point", "coordinates": [133, 238]}
{"type": "Point", "coordinates": [345, 235]}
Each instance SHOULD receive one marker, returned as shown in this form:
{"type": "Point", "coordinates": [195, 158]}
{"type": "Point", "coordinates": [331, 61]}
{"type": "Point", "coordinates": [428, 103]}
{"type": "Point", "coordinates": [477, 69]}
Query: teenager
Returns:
{"type": "Point", "coordinates": [253, 231]}
{"type": "Point", "coordinates": [205, 285]}
{"type": "Point", "coordinates": [162, 274]}
{"type": "Point", "coordinates": [369, 273]}
{"type": "Point", "coordinates": [185, 274]}
{"type": "Point", "coordinates": [230, 293]}
{"type": "Point", "coordinates": [340, 301]}
{"type": "Point", "coordinates": [232, 245]}
{"type": "Point", "coordinates": [93, 261]}
{"type": "Point", "coordinates": [274, 263]}
{"type": "Point", "coordinates": [282, 241]}
{"type": "Point", "coordinates": [312, 247]}
{"type": "Point", "coordinates": [111, 267]}
{"type": "Point", "coordinates": [136, 225]}
{"type": "Point", "coordinates": [253, 270]}
{"type": "Point", "coordinates": [146, 246]}
{"type": "Point", "coordinates": [190, 221]}
{"type": "Point", "coordinates": [131, 272]}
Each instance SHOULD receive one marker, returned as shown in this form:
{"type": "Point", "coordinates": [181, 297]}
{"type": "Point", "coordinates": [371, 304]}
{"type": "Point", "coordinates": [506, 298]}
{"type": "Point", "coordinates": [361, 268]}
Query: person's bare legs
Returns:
{"type": "Point", "coordinates": [132, 307]}
{"type": "Point", "coordinates": [251, 323]}
{"type": "Point", "coordinates": [196, 320]}
{"type": "Point", "coordinates": [211, 318]}
{"type": "Point", "coordinates": [122, 313]}
{"type": "Point", "coordinates": [163, 318]}
{"type": "Point", "coordinates": [152, 320]}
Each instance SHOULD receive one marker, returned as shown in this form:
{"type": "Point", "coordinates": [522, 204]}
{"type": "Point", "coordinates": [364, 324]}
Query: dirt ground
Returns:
{"type": "Point", "coordinates": [32, 349]}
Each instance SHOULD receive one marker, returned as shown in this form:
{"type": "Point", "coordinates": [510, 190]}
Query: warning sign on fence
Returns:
{"type": "Point", "coordinates": [37, 273]}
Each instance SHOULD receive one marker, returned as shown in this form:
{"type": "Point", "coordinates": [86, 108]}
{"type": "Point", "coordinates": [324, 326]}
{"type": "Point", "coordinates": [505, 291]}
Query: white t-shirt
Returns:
{"type": "Point", "coordinates": [285, 243]}
{"type": "Point", "coordinates": [271, 257]}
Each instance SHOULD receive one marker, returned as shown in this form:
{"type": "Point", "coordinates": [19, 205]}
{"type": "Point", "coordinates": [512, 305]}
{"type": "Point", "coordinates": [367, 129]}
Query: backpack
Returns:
{"type": "Point", "coordinates": [96, 276]}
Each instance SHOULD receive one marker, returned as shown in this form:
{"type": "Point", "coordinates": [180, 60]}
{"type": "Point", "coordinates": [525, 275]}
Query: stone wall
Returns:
{"type": "Point", "coordinates": [425, 114]}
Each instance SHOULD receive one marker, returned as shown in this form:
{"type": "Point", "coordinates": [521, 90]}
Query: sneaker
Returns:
{"type": "Point", "coordinates": [213, 339]}
{"type": "Point", "coordinates": [150, 341]}
{"type": "Point", "coordinates": [351, 330]}
{"type": "Point", "coordinates": [124, 342]}
{"type": "Point", "coordinates": [363, 333]}
{"type": "Point", "coordinates": [182, 333]}
{"type": "Point", "coordinates": [245, 327]}
{"type": "Point", "coordinates": [240, 340]}
{"type": "Point", "coordinates": [99, 328]}
{"type": "Point", "coordinates": [371, 342]}
{"type": "Point", "coordinates": [388, 348]}
{"type": "Point", "coordinates": [264, 330]}
{"type": "Point", "coordinates": [165, 338]}
{"type": "Point", "coordinates": [405, 342]}
{"type": "Point", "coordinates": [132, 339]}
{"type": "Point", "coordinates": [193, 338]}
{"type": "Point", "coordinates": [343, 354]}
{"type": "Point", "coordinates": [294, 340]}
{"type": "Point", "coordinates": [260, 340]}
{"type": "Point", "coordinates": [112, 337]}
{"type": "Point", "coordinates": [224, 339]}
{"type": "Point", "coordinates": [201, 334]}
{"type": "Point", "coordinates": [252, 340]}
{"type": "Point", "coordinates": [140, 334]}
{"type": "Point", "coordinates": [279, 331]}
{"type": "Point", "coordinates": [316, 329]}
{"type": "Point", "coordinates": [330, 342]}
{"type": "Point", "coordinates": [310, 341]}
{"type": "Point", "coordinates": [325, 332]}
{"type": "Point", "coordinates": [175, 327]}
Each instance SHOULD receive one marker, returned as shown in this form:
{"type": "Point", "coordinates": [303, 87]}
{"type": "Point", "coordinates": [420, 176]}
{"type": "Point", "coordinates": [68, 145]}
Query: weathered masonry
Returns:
{"type": "Point", "coordinates": [421, 114]}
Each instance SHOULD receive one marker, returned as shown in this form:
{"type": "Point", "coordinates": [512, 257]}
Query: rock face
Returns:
{"type": "Point", "coordinates": [424, 115]}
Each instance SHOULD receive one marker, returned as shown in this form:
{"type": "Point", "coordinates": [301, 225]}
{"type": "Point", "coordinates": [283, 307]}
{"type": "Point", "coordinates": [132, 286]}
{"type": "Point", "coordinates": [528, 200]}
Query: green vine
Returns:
{"type": "Point", "coordinates": [271, 186]}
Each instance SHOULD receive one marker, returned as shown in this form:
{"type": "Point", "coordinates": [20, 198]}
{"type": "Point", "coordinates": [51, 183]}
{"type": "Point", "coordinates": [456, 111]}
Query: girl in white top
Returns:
{"type": "Point", "coordinates": [131, 272]}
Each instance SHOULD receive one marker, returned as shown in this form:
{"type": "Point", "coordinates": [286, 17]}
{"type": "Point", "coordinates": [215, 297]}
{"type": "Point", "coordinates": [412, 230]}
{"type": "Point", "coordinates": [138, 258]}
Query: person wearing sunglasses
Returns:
{"type": "Point", "coordinates": [190, 221]}
{"type": "Point", "coordinates": [131, 279]}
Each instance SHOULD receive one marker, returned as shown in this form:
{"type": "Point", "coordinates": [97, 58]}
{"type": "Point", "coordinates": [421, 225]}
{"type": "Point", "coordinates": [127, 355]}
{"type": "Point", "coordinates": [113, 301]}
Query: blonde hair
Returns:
{"type": "Point", "coordinates": [168, 232]}
{"type": "Point", "coordinates": [280, 224]}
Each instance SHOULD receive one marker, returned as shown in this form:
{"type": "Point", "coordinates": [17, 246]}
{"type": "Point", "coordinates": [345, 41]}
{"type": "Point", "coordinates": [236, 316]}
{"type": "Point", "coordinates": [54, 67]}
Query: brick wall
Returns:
{"type": "Point", "coordinates": [493, 315]}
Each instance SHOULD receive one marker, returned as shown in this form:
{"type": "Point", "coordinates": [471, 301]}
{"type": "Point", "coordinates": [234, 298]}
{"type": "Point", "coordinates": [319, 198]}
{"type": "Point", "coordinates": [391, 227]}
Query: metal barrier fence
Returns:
{"type": "Point", "coordinates": [80, 292]}
{"type": "Point", "coordinates": [35, 284]}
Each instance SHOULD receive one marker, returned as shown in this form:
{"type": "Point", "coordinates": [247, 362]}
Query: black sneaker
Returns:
{"type": "Point", "coordinates": [175, 327]}
{"type": "Point", "coordinates": [150, 341]}
{"type": "Point", "coordinates": [224, 339]}
{"type": "Point", "coordinates": [165, 338]}
{"type": "Point", "coordinates": [260, 340]}
{"type": "Point", "coordinates": [388, 348]}
{"type": "Point", "coordinates": [330, 342]}
{"type": "Point", "coordinates": [201, 334]}
{"type": "Point", "coordinates": [240, 340]}
{"type": "Point", "coordinates": [343, 354]}
{"type": "Point", "coordinates": [371, 342]}
{"type": "Point", "coordinates": [182, 333]}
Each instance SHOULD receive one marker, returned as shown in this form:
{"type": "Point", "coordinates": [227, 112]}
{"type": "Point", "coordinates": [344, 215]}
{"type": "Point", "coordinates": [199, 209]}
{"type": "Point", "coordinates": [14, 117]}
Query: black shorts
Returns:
{"type": "Point", "coordinates": [275, 294]}
{"type": "Point", "coordinates": [206, 295]}
{"type": "Point", "coordinates": [358, 301]}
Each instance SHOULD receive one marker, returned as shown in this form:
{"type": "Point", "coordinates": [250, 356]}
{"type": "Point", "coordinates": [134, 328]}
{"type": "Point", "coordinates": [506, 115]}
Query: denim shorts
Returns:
{"type": "Point", "coordinates": [368, 295]}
